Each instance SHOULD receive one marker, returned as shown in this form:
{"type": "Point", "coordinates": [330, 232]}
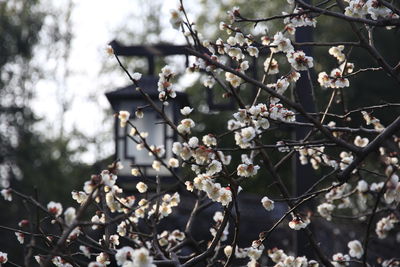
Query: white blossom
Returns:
{"type": "Point", "coordinates": [109, 50]}
{"type": "Point", "coordinates": [175, 18]}
{"type": "Point", "coordinates": [253, 51]}
{"type": "Point", "coordinates": [255, 253]}
{"type": "Point", "coordinates": [244, 65]}
{"type": "Point", "coordinates": [6, 193]}
{"type": "Point", "coordinates": [340, 260]}
{"type": "Point", "coordinates": [141, 187]}
{"type": "Point", "coordinates": [85, 250]}
{"type": "Point", "coordinates": [384, 225]}
{"type": "Point", "coordinates": [142, 258]}
{"type": "Point", "coordinates": [300, 20]}
{"type": "Point", "coordinates": [69, 216]}
{"type": "Point", "coordinates": [282, 44]}
{"type": "Point", "coordinates": [54, 208]}
{"type": "Point", "coordinates": [267, 203]}
{"type": "Point", "coordinates": [225, 196]}
{"type": "Point", "coordinates": [245, 136]}
{"type": "Point", "coordinates": [185, 126]}
{"type": "Point", "coordinates": [135, 171]}
{"type": "Point", "coordinates": [156, 165]}
{"type": "Point", "coordinates": [108, 178]}
{"type": "Point", "coordinates": [325, 210]}
{"type": "Point", "coordinates": [103, 258]}
{"type": "Point", "coordinates": [298, 223]}
{"type": "Point", "coordinates": [20, 237]}
{"type": "Point", "coordinates": [136, 76]}
{"type": "Point", "coordinates": [362, 186]}
{"type": "Point", "coordinates": [239, 38]}
{"type": "Point", "coordinates": [123, 117]}
{"type": "Point", "coordinates": [356, 8]}
{"type": "Point", "coordinates": [235, 53]}
{"type": "Point", "coordinates": [209, 140]}
{"type": "Point", "coordinates": [277, 255]}
{"type": "Point", "coordinates": [300, 61]}
{"type": "Point", "coordinates": [271, 65]}
{"type": "Point", "coordinates": [336, 51]}
{"type": "Point", "coordinates": [124, 254]}
{"type": "Point", "coordinates": [361, 142]}
{"type": "Point", "coordinates": [234, 80]}
{"type": "Point", "coordinates": [214, 167]}
{"type": "Point", "coordinates": [186, 110]}
{"type": "Point", "coordinates": [355, 249]}
{"type": "Point", "coordinates": [173, 162]}
{"type": "Point", "coordinates": [228, 251]}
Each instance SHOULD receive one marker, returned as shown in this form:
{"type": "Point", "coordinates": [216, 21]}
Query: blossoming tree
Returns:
{"type": "Point", "coordinates": [370, 192]}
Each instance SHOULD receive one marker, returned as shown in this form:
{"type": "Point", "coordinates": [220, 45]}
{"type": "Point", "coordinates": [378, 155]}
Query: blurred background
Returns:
{"type": "Point", "coordinates": [56, 125]}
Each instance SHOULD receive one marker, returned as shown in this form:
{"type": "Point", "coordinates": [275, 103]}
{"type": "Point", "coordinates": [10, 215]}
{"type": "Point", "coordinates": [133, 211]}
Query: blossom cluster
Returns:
{"type": "Point", "coordinates": [336, 78]}
{"type": "Point", "coordinates": [166, 88]}
{"type": "Point", "coordinates": [369, 8]}
{"type": "Point", "coordinates": [113, 225]}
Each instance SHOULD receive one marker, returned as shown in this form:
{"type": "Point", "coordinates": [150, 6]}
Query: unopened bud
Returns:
{"type": "Point", "coordinates": [228, 251]}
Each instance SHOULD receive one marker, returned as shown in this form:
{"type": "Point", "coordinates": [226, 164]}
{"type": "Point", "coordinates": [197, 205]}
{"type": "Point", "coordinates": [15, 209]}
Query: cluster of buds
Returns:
{"type": "Point", "coordinates": [165, 87]}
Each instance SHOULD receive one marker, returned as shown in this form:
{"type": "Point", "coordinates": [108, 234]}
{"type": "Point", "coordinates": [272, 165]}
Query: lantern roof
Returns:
{"type": "Point", "coordinates": [148, 83]}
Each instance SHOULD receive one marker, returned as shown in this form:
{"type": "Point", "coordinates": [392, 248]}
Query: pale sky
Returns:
{"type": "Point", "coordinates": [94, 22]}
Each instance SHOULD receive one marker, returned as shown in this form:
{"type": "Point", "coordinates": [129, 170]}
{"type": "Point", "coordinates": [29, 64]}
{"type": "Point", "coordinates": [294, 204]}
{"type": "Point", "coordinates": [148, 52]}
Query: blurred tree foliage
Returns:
{"type": "Point", "coordinates": [18, 34]}
{"type": "Point", "coordinates": [30, 159]}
